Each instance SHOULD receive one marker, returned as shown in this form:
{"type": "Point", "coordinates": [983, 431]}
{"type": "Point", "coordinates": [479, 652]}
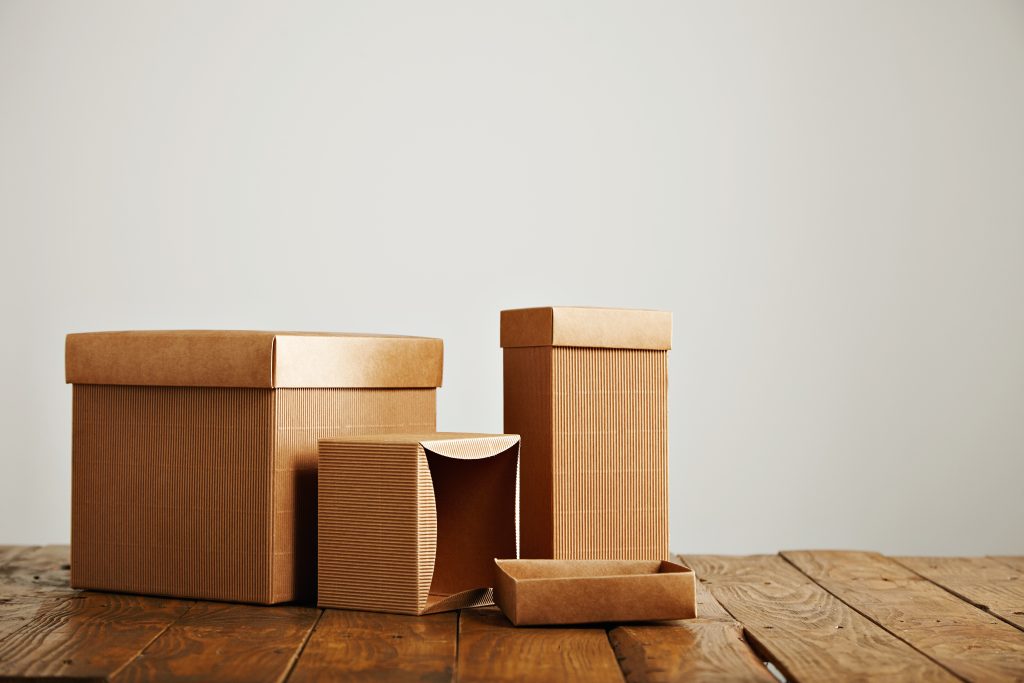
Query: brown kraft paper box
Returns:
{"type": "Point", "coordinates": [587, 390]}
{"type": "Point", "coordinates": [534, 592]}
{"type": "Point", "coordinates": [411, 524]}
{"type": "Point", "coordinates": [194, 452]}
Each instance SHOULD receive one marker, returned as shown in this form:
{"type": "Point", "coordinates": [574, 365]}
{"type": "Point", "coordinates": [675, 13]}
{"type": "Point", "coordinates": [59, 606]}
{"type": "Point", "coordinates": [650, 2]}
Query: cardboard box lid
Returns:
{"type": "Point", "coordinates": [237, 358]}
{"type": "Point", "coordinates": [612, 328]}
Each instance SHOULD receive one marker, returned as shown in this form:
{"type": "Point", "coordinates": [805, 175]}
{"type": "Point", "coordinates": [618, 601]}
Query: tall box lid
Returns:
{"type": "Point", "coordinates": [237, 358]}
{"type": "Point", "coordinates": [612, 328]}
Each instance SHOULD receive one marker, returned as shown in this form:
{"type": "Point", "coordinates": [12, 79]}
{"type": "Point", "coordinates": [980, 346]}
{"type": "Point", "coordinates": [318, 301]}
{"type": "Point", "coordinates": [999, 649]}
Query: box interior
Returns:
{"type": "Point", "coordinates": [523, 570]}
{"type": "Point", "coordinates": [475, 499]}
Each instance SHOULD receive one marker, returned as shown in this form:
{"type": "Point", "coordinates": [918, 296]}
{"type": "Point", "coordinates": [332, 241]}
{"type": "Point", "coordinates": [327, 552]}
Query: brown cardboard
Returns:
{"type": "Point", "coordinates": [237, 358]}
{"type": "Point", "coordinates": [587, 390]}
{"type": "Point", "coordinates": [209, 492]}
{"type": "Point", "coordinates": [412, 523]}
{"type": "Point", "coordinates": [610, 328]}
{"type": "Point", "coordinates": [535, 592]}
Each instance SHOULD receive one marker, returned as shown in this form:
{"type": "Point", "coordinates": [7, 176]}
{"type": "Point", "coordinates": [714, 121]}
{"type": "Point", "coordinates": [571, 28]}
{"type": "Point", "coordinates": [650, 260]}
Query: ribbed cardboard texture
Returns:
{"type": "Point", "coordinates": [411, 524]}
{"type": "Point", "coordinates": [593, 418]}
{"type": "Point", "coordinates": [535, 592]}
{"type": "Point", "coordinates": [210, 492]}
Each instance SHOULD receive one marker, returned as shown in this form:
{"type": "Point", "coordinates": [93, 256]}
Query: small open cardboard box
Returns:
{"type": "Point", "coordinates": [534, 592]}
{"type": "Point", "coordinates": [412, 523]}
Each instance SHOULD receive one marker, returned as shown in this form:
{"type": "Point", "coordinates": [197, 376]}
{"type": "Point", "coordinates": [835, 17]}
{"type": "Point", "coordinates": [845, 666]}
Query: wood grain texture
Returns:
{"type": "Point", "coordinates": [986, 583]}
{"type": "Point", "coordinates": [9, 552]}
{"type": "Point", "coordinates": [708, 607]}
{"type": "Point", "coordinates": [709, 648]}
{"type": "Point", "coordinates": [30, 579]}
{"type": "Point", "coordinates": [790, 616]}
{"type": "Point", "coordinates": [369, 646]}
{"type": "Point", "coordinates": [225, 642]}
{"type": "Point", "coordinates": [491, 649]}
{"type": "Point", "coordinates": [33, 569]}
{"type": "Point", "coordinates": [966, 640]}
{"type": "Point", "coordinates": [86, 635]}
{"type": "Point", "coordinates": [695, 650]}
{"type": "Point", "coordinates": [1014, 562]}
{"type": "Point", "coordinates": [809, 634]}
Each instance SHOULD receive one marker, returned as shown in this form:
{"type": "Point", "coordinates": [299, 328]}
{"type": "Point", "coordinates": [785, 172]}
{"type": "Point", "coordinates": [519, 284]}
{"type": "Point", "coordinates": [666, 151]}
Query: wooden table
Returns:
{"type": "Point", "coordinates": [803, 615]}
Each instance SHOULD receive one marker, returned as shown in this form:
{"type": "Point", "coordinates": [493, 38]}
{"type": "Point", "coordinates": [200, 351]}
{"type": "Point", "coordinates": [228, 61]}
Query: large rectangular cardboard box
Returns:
{"type": "Point", "coordinates": [194, 452]}
{"type": "Point", "coordinates": [535, 592]}
{"type": "Point", "coordinates": [587, 390]}
{"type": "Point", "coordinates": [411, 524]}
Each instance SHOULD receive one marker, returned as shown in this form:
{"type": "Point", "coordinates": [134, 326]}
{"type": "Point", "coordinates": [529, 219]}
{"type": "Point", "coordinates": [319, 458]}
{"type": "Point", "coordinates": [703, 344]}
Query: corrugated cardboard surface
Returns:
{"type": "Point", "coordinates": [528, 401]}
{"type": "Point", "coordinates": [534, 592]}
{"type": "Point", "coordinates": [610, 453]}
{"type": "Point", "coordinates": [303, 417]}
{"type": "Point", "coordinates": [238, 358]}
{"type": "Point", "coordinates": [594, 427]}
{"type": "Point", "coordinates": [210, 492]}
{"type": "Point", "coordinates": [411, 523]}
{"type": "Point", "coordinates": [172, 491]}
{"type": "Point", "coordinates": [615, 328]}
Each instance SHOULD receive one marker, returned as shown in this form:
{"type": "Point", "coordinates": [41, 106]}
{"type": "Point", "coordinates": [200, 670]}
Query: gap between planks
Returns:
{"type": "Point", "coordinates": [47, 642]}
{"type": "Point", "coordinates": [367, 645]}
{"type": "Point", "coordinates": [627, 643]}
{"type": "Point", "coordinates": [805, 631]}
{"type": "Point", "coordinates": [711, 647]}
{"type": "Point", "coordinates": [970, 643]}
{"type": "Point", "coordinates": [987, 583]}
{"type": "Point", "coordinates": [91, 635]}
{"type": "Point", "coordinates": [302, 648]}
{"type": "Point", "coordinates": [226, 641]}
{"type": "Point", "coordinates": [491, 649]}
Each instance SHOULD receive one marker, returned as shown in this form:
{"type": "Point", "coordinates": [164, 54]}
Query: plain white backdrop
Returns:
{"type": "Point", "coordinates": [828, 195]}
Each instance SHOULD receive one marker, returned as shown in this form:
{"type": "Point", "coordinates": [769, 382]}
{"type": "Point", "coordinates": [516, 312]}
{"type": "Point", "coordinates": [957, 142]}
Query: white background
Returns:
{"type": "Point", "coordinates": [828, 195]}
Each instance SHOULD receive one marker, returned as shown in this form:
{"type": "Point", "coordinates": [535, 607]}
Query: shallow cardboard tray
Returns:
{"type": "Point", "coordinates": [533, 592]}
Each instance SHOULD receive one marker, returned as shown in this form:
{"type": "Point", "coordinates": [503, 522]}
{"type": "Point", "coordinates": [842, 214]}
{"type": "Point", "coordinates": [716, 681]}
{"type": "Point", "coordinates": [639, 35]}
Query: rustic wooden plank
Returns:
{"type": "Point", "coordinates": [9, 552]}
{"type": "Point", "coordinates": [707, 607]}
{"type": "Point", "coordinates": [809, 634]}
{"type": "Point", "coordinates": [86, 635]}
{"type": "Point", "coordinates": [30, 580]}
{"type": "Point", "coordinates": [966, 640]}
{"type": "Point", "coordinates": [985, 583]}
{"type": "Point", "coordinates": [709, 648]}
{"type": "Point", "coordinates": [491, 649]}
{"type": "Point", "coordinates": [1014, 562]}
{"type": "Point", "coordinates": [36, 568]}
{"type": "Point", "coordinates": [695, 650]}
{"type": "Point", "coordinates": [368, 646]}
{"type": "Point", "coordinates": [225, 642]}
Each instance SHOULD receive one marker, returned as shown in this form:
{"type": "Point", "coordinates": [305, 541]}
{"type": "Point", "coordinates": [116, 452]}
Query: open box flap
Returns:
{"type": "Point", "coordinates": [477, 597]}
{"type": "Point", "coordinates": [470, 446]}
{"type": "Point", "coordinates": [473, 481]}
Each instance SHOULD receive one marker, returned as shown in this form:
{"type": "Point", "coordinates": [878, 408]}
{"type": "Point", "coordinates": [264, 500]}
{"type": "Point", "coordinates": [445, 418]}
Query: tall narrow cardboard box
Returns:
{"type": "Point", "coordinates": [194, 453]}
{"type": "Point", "coordinates": [587, 390]}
